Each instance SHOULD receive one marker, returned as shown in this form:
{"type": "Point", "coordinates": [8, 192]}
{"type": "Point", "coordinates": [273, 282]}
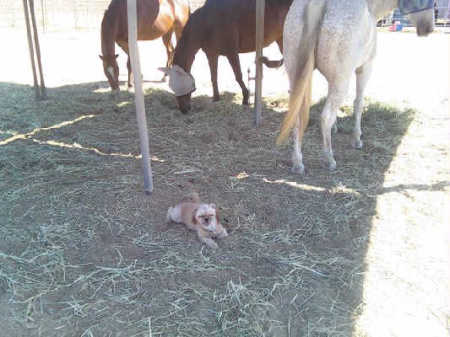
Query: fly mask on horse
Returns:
{"type": "Point", "coordinates": [182, 84]}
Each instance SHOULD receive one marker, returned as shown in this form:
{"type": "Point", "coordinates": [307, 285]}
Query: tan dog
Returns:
{"type": "Point", "coordinates": [200, 217]}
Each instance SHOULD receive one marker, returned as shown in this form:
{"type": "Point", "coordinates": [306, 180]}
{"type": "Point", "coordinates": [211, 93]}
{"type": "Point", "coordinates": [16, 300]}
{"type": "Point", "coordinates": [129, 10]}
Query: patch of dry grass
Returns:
{"type": "Point", "coordinates": [85, 253]}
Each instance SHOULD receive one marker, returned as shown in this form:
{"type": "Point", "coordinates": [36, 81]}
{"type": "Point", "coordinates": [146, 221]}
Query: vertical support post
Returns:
{"type": "Point", "coordinates": [38, 50]}
{"type": "Point", "coordinates": [139, 96]}
{"type": "Point", "coordinates": [30, 48]}
{"type": "Point", "coordinates": [260, 7]}
{"type": "Point", "coordinates": [44, 26]}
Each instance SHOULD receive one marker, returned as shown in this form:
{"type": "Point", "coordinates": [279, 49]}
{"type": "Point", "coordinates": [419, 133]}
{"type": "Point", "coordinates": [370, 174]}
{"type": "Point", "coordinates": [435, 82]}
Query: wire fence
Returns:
{"type": "Point", "coordinates": [55, 15]}
{"type": "Point", "coordinates": [66, 15]}
{"type": "Point", "coordinates": [61, 15]}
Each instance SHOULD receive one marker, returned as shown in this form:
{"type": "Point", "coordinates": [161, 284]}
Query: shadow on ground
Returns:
{"type": "Point", "coordinates": [85, 253]}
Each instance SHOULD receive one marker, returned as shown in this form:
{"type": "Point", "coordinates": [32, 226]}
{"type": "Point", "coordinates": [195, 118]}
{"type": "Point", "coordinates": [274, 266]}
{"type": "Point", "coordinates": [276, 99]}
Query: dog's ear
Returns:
{"type": "Point", "coordinates": [217, 213]}
{"type": "Point", "coordinates": [194, 218]}
{"type": "Point", "coordinates": [195, 197]}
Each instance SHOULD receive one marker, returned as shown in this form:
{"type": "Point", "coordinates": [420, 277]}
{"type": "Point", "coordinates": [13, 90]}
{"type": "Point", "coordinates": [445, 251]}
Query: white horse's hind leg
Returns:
{"type": "Point", "coordinates": [362, 77]}
{"type": "Point", "coordinates": [297, 158]}
{"type": "Point", "coordinates": [328, 118]}
{"type": "Point", "coordinates": [334, 129]}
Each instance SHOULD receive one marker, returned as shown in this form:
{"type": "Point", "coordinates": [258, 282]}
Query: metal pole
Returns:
{"type": "Point", "coordinates": [260, 7]}
{"type": "Point", "coordinates": [44, 28]}
{"type": "Point", "coordinates": [30, 48]}
{"type": "Point", "coordinates": [139, 96]}
{"type": "Point", "coordinates": [38, 50]}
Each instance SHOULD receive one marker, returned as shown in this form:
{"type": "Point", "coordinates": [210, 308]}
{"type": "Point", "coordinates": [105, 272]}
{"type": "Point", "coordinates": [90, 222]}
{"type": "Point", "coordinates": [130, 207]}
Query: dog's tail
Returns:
{"type": "Point", "coordinates": [271, 63]}
{"type": "Point", "coordinates": [169, 215]}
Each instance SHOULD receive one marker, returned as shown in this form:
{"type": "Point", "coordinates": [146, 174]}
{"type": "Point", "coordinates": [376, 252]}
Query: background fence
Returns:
{"type": "Point", "coordinates": [60, 15]}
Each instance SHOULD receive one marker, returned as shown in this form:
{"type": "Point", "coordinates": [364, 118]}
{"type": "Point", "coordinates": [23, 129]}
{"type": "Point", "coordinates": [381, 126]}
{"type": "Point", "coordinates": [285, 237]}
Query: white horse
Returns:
{"type": "Point", "coordinates": [338, 37]}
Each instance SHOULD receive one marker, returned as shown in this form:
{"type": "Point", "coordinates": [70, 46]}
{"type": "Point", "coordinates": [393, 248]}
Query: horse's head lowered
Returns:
{"type": "Point", "coordinates": [182, 84]}
{"type": "Point", "coordinates": [420, 13]}
{"type": "Point", "coordinates": [111, 70]}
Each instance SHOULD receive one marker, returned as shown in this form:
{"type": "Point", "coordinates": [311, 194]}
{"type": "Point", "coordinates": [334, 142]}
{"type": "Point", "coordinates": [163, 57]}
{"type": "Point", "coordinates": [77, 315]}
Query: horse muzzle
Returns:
{"type": "Point", "coordinates": [424, 28]}
{"type": "Point", "coordinates": [184, 103]}
{"type": "Point", "coordinates": [115, 92]}
{"type": "Point", "coordinates": [423, 21]}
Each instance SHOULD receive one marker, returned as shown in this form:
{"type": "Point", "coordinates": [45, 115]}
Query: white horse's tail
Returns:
{"type": "Point", "coordinates": [299, 101]}
{"type": "Point", "coordinates": [300, 96]}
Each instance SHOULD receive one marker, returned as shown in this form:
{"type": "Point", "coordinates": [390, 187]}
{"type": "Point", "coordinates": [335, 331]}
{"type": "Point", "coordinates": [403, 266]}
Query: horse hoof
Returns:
{"type": "Point", "coordinates": [245, 102]}
{"type": "Point", "coordinates": [328, 160]}
{"type": "Point", "coordinates": [332, 165]}
{"type": "Point", "coordinates": [334, 129]}
{"type": "Point", "coordinates": [185, 111]}
{"type": "Point", "coordinates": [115, 93]}
{"type": "Point", "coordinates": [358, 144]}
{"type": "Point", "coordinates": [216, 99]}
{"type": "Point", "coordinates": [298, 169]}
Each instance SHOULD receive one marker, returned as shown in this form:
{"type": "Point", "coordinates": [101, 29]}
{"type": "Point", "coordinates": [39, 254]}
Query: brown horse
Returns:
{"type": "Point", "coordinates": [155, 18]}
{"type": "Point", "coordinates": [222, 27]}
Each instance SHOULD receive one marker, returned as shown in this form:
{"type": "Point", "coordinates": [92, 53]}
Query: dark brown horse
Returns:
{"type": "Point", "coordinates": [222, 27]}
{"type": "Point", "coordinates": [155, 18]}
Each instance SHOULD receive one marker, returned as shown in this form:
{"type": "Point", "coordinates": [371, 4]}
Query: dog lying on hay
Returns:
{"type": "Point", "coordinates": [199, 217]}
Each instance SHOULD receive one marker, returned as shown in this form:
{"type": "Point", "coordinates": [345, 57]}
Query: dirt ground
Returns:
{"type": "Point", "coordinates": [361, 251]}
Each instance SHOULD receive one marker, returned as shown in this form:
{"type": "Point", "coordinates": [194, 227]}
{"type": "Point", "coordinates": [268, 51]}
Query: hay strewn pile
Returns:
{"type": "Point", "coordinates": [83, 252]}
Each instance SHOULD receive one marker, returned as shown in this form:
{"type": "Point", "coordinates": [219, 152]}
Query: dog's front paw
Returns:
{"type": "Point", "coordinates": [212, 244]}
{"type": "Point", "coordinates": [222, 234]}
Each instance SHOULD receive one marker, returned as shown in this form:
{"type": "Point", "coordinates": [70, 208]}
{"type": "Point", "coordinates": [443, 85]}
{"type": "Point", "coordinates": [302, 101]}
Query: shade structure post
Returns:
{"type": "Point", "coordinates": [31, 48]}
{"type": "Point", "coordinates": [260, 7]}
{"type": "Point", "coordinates": [139, 96]}
{"type": "Point", "coordinates": [43, 94]}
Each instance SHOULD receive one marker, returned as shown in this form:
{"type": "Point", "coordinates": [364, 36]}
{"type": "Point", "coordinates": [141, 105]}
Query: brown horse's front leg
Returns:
{"type": "Point", "coordinates": [124, 46]}
{"type": "Point", "coordinates": [130, 73]}
{"type": "Point", "coordinates": [236, 66]}
{"type": "Point", "coordinates": [213, 60]}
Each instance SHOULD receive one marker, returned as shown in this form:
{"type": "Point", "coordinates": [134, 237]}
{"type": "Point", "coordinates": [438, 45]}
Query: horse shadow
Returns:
{"type": "Point", "coordinates": [294, 262]}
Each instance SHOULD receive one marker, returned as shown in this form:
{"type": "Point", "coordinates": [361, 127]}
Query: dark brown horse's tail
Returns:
{"type": "Point", "coordinates": [271, 63]}
{"type": "Point", "coordinates": [300, 96]}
